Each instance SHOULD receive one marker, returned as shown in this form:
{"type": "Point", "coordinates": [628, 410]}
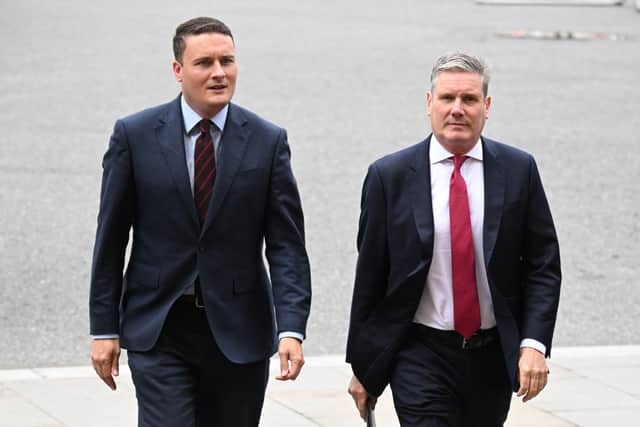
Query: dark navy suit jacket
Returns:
{"type": "Point", "coordinates": [145, 188]}
{"type": "Point", "coordinates": [395, 243]}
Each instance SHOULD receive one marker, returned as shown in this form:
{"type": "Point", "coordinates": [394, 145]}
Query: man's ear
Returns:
{"type": "Point", "coordinates": [177, 70]}
{"type": "Point", "coordinates": [487, 105]}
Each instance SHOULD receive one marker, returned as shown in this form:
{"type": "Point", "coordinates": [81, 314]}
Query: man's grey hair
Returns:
{"type": "Point", "coordinates": [462, 62]}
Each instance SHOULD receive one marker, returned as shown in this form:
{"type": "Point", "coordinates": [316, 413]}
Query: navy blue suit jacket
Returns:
{"type": "Point", "coordinates": [145, 188]}
{"type": "Point", "coordinates": [395, 244]}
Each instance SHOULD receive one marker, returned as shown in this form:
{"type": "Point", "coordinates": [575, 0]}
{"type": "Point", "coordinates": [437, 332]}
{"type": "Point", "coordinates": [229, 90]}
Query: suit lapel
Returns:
{"type": "Point", "coordinates": [494, 184]}
{"type": "Point", "coordinates": [420, 192]}
{"type": "Point", "coordinates": [170, 135]}
{"type": "Point", "coordinates": [235, 138]}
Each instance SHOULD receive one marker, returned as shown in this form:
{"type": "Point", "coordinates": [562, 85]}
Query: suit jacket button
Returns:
{"type": "Point", "coordinates": [201, 248]}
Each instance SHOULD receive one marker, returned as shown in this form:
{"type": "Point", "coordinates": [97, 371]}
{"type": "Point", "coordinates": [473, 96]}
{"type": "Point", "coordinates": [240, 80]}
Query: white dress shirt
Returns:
{"type": "Point", "coordinates": [435, 308]}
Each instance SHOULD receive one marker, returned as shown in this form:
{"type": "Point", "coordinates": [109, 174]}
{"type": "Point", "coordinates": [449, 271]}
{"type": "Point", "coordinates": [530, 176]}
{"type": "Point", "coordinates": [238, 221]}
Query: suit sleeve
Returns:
{"type": "Point", "coordinates": [115, 218]}
{"type": "Point", "coordinates": [285, 245]}
{"type": "Point", "coordinates": [372, 268]}
{"type": "Point", "coordinates": [541, 266]}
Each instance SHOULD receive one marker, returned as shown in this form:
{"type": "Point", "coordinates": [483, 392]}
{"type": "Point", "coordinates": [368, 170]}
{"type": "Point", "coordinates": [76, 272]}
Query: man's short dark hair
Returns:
{"type": "Point", "coordinates": [195, 26]}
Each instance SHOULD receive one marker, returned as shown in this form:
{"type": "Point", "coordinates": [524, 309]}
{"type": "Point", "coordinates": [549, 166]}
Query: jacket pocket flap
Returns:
{"type": "Point", "coordinates": [143, 274]}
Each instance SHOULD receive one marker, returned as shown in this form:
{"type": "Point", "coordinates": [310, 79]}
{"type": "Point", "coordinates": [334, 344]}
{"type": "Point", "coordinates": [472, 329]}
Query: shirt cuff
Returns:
{"type": "Point", "coordinates": [105, 337]}
{"type": "Point", "coordinates": [289, 334]}
{"type": "Point", "coordinates": [535, 344]}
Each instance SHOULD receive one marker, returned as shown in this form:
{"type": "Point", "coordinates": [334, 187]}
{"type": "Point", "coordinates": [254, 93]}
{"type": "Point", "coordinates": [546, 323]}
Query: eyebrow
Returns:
{"type": "Point", "coordinates": [208, 58]}
{"type": "Point", "coordinates": [463, 94]}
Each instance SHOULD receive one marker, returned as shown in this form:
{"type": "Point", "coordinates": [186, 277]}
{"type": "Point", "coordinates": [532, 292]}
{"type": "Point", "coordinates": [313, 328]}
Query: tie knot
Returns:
{"type": "Point", "coordinates": [458, 160]}
{"type": "Point", "coordinates": [204, 125]}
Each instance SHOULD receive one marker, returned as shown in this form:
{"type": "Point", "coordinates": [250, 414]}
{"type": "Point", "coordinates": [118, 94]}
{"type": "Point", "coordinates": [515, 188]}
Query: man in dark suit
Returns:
{"type": "Point", "coordinates": [458, 274]}
{"type": "Point", "coordinates": [202, 183]}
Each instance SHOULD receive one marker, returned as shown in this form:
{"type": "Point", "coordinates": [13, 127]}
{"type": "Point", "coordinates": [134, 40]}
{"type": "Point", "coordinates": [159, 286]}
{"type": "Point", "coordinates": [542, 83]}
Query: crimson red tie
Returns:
{"type": "Point", "coordinates": [466, 308]}
{"type": "Point", "coordinates": [205, 169]}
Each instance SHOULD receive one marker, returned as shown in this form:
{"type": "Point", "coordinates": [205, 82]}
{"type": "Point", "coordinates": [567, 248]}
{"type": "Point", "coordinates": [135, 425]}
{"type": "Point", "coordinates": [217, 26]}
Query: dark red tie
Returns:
{"type": "Point", "coordinates": [205, 169]}
{"type": "Point", "coordinates": [466, 308]}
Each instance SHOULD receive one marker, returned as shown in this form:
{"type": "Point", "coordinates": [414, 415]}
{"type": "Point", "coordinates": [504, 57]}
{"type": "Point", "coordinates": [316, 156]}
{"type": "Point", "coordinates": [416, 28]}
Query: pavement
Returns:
{"type": "Point", "coordinates": [588, 386]}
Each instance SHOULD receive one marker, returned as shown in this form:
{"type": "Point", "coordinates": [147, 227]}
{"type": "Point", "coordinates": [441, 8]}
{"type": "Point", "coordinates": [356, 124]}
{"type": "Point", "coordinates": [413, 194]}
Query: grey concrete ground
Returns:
{"type": "Point", "coordinates": [588, 386]}
{"type": "Point", "coordinates": [347, 79]}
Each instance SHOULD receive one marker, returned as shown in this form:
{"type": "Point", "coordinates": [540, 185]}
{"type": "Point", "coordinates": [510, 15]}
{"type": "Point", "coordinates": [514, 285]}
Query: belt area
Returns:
{"type": "Point", "coordinates": [194, 299]}
{"type": "Point", "coordinates": [453, 339]}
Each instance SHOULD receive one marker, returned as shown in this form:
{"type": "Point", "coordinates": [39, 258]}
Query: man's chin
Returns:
{"type": "Point", "coordinates": [458, 139]}
{"type": "Point", "coordinates": [216, 104]}
{"type": "Point", "coordinates": [457, 143]}
{"type": "Point", "coordinates": [218, 100]}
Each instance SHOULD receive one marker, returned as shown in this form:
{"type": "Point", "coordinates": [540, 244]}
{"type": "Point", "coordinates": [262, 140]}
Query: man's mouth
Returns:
{"type": "Point", "coordinates": [217, 87]}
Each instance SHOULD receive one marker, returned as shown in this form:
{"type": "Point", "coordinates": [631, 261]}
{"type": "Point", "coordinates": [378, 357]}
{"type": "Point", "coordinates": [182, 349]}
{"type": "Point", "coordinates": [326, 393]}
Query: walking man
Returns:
{"type": "Point", "coordinates": [204, 185]}
{"type": "Point", "coordinates": [458, 275]}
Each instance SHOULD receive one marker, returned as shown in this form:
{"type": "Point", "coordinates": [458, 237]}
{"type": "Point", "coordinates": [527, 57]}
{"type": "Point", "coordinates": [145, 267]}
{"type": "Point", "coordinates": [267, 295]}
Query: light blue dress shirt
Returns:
{"type": "Point", "coordinates": [191, 120]}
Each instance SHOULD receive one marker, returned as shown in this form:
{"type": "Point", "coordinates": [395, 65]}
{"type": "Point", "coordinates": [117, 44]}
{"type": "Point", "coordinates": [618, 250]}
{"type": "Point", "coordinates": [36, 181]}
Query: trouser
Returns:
{"type": "Point", "coordinates": [438, 383]}
{"type": "Point", "coordinates": [186, 381]}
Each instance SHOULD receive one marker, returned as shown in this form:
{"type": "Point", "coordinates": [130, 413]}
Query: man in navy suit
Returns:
{"type": "Point", "coordinates": [458, 274]}
{"type": "Point", "coordinates": [205, 186]}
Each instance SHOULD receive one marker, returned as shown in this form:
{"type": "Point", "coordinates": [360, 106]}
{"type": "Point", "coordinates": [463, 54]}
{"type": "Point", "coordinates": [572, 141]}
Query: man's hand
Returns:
{"type": "Point", "coordinates": [105, 354]}
{"type": "Point", "coordinates": [533, 373]}
{"type": "Point", "coordinates": [361, 397]}
{"type": "Point", "coordinates": [291, 359]}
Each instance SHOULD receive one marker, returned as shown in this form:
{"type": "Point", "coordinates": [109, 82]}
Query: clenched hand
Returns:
{"type": "Point", "coordinates": [361, 397]}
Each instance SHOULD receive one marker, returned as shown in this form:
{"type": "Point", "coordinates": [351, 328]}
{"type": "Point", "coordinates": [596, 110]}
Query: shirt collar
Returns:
{"type": "Point", "coordinates": [191, 118]}
{"type": "Point", "coordinates": [438, 153]}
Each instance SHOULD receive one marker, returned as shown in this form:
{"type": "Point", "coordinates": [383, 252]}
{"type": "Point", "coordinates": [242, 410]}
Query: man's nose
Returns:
{"type": "Point", "coordinates": [217, 71]}
{"type": "Point", "coordinates": [457, 108]}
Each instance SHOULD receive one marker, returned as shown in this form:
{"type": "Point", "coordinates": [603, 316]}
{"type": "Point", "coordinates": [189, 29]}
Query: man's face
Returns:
{"type": "Point", "coordinates": [457, 110]}
{"type": "Point", "coordinates": [207, 72]}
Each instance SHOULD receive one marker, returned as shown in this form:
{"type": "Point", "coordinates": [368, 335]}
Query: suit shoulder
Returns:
{"type": "Point", "coordinates": [506, 151]}
{"type": "Point", "coordinates": [147, 115]}
{"type": "Point", "coordinates": [255, 121]}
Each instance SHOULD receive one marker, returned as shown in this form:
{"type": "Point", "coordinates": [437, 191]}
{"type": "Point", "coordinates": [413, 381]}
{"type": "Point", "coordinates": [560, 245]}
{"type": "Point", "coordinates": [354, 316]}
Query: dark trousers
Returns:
{"type": "Point", "coordinates": [185, 381]}
{"type": "Point", "coordinates": [436, 383]}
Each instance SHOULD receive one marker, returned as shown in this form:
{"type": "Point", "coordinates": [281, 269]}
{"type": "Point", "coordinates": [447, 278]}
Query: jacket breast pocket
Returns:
{"type": "Point", "coordinates": [249, 176]}
{"type": "Point", "coordinates": [513, 216]}
{"type": "Point", "coordinates": [142, 275]}
{"type": "Point", "coordinates": [249, 188]}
